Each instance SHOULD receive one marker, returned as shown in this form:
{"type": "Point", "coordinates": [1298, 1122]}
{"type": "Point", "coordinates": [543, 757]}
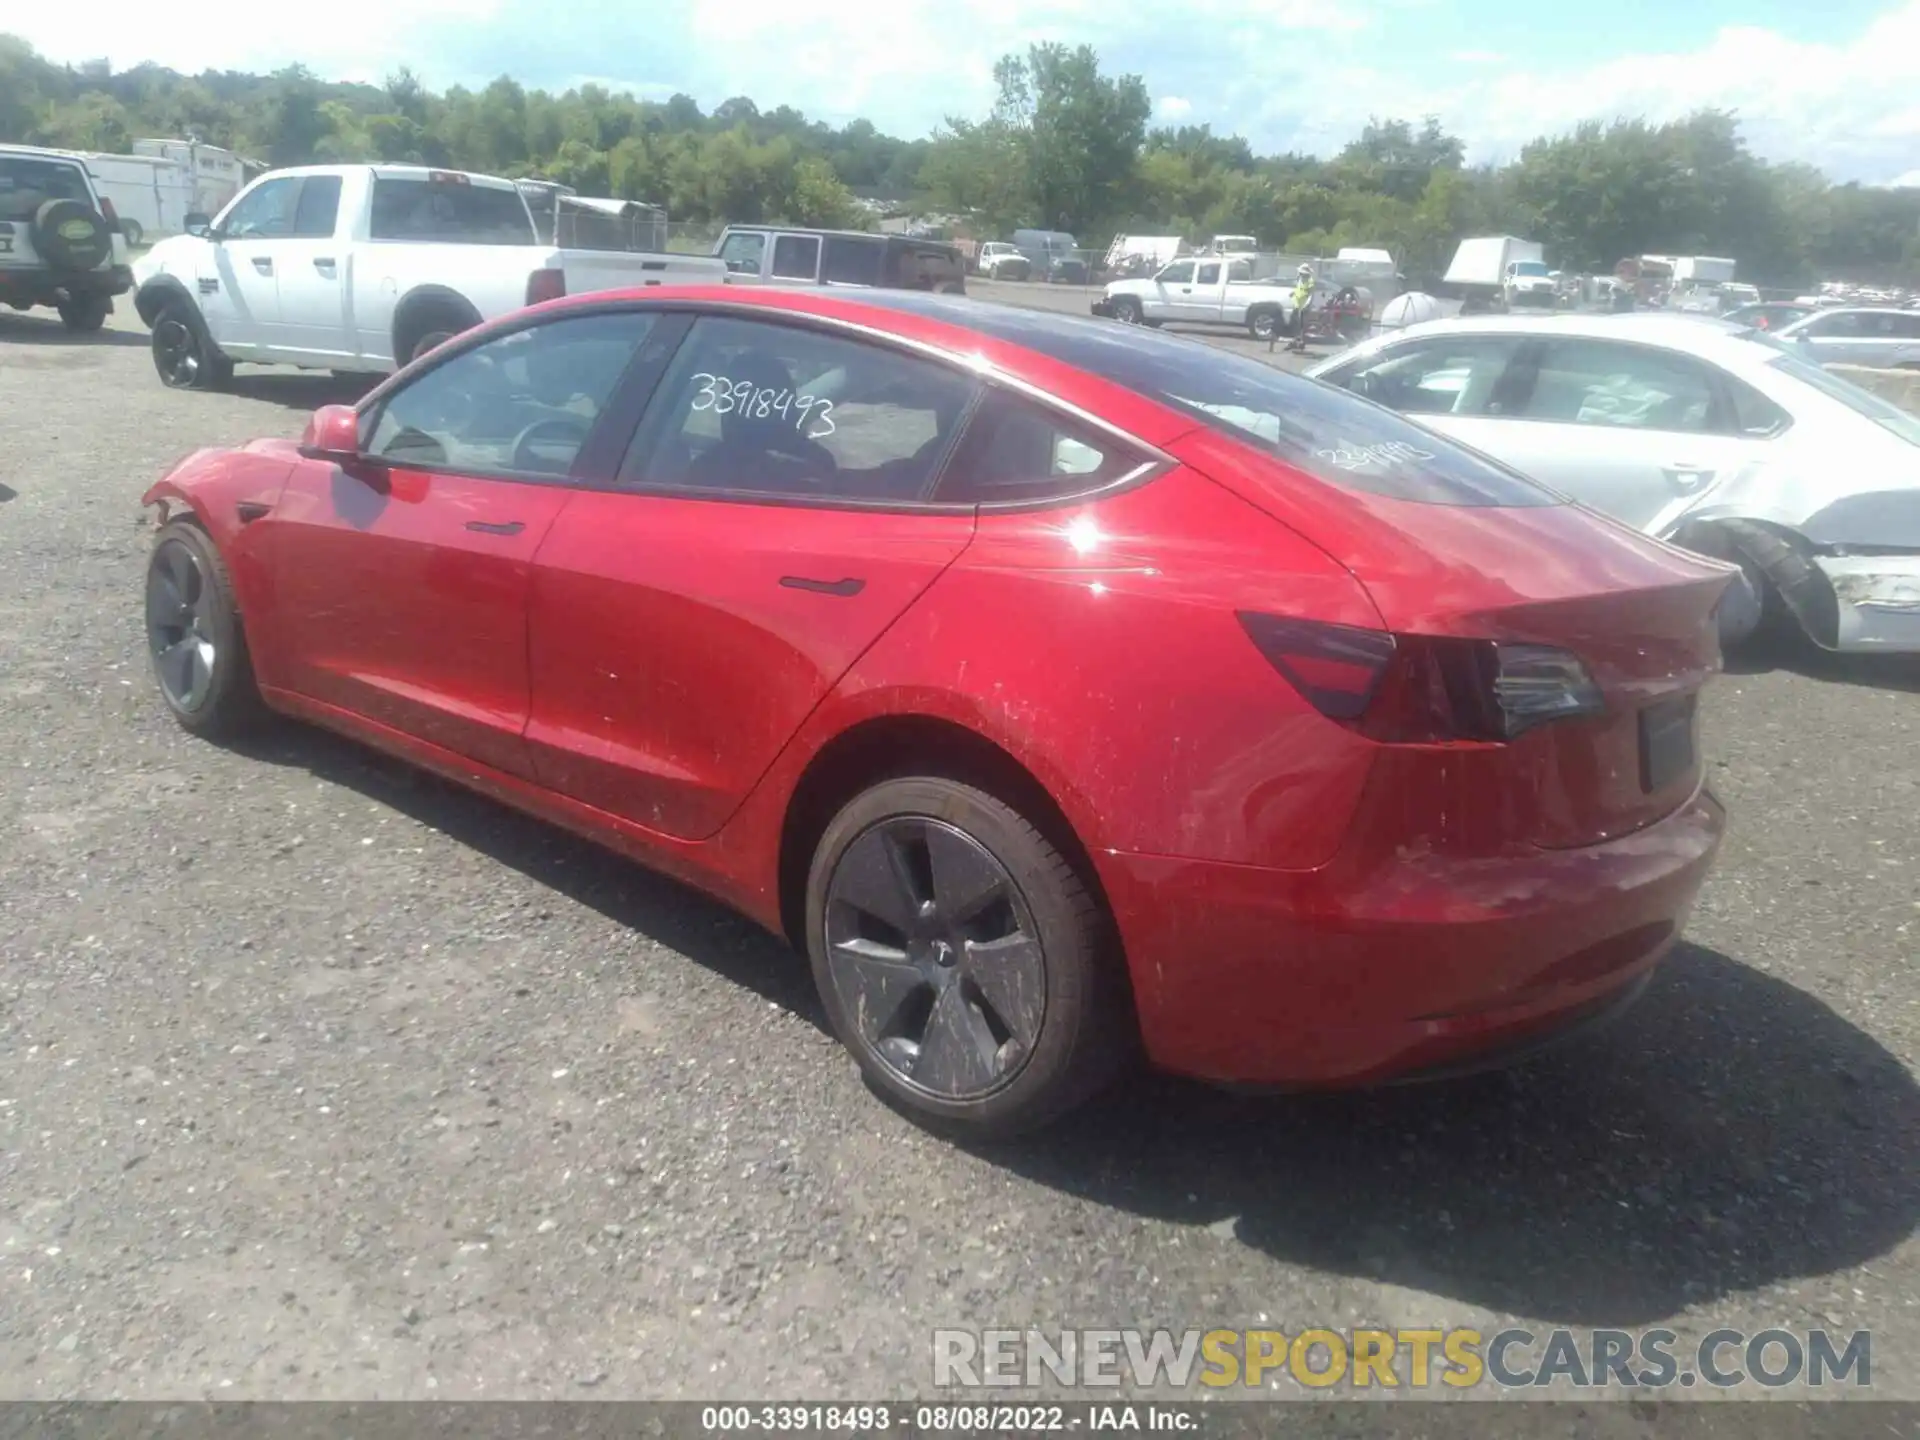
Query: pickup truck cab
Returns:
{"type": "Point", "coordinates": [362, 268]}
{"type": "Point", "coordinates": [1529, 282]}
{"type": "Point", "coordinates": [1202, 290]}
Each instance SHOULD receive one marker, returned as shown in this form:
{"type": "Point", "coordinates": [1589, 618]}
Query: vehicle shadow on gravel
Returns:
{"type": "Point", "coordinates": [1729, 1132]}
{"type": "Point", "coordinates": [1802, 657]}
{"type": "Point", "coordinates": [302, 389]}
{"type": "Point", "coordinates": [19, 329]}
{"type": "Point", "coordinates": [635, 898]}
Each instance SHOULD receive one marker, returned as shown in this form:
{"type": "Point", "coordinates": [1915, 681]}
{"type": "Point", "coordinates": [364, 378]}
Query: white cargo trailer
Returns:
{"type": "Point", "coordinates": [152, 195]}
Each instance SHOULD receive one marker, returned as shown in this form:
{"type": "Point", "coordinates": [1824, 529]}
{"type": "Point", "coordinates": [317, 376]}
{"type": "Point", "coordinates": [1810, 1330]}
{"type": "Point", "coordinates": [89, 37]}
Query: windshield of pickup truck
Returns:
{"type": "Point", "coordinates": [27, 182]}
{"type": "Point", "coordinates": [1531, 267]}
{"type": "Point", "coordinates": [449, 212]}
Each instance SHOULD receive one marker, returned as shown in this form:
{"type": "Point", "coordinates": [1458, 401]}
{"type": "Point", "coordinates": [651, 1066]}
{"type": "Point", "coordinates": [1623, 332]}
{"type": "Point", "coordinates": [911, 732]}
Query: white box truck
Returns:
{"type": "Point", "coordinates": [217, 174]}
{"type": "Point", "coordinates": [1501, 270]}
{"type": "Point", "coordinates": [152, 195]}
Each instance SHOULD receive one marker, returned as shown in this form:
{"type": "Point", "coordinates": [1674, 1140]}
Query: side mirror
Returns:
{"type": "Point", "coordinates": [198, 224]}
{"type": "Point", "coordinates": [332, 433]}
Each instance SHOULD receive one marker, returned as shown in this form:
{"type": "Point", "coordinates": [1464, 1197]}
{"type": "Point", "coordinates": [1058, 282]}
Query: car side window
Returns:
{"type": "Point", "coordinates": [1632, 387]}
{"type": "Point", "coordinates": [796, 257]}
{"type": "Point", "coordinates": [265, 212]}
{"type": "Point", "coordinates": [1753, 413]}
{"type": "Point", "coordinates": [1833, 327]}
{"type": "Point", "coordinates": [846, 260]}
{"type": "Point", "coordinates": [1905, 327]}
{"type": "Point", "coordinates": [522, 404]}
{"type": "Point", "coordinates": [1178, 274]}
{"type": "Point", "coordinates": [1208, 274]}
{"type": "Point", "coordinates": [314, 216]}
{"type": "Point", "coordinates": [752, 408]}
{"type": "Point", "coordinates": [1016, 451]}
{"type": "Point", "coordinates": [742, 251]}
{"type": "Point", "coordinates": [1456, 376]}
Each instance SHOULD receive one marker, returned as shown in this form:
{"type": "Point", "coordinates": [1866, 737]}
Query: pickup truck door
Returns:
{"type": "Point", "coordinates": [238, 293]}
{"type": "Point", "coordinates": [1172, 289]}
{"type": "Point", "coordinates": [745, 254]}
{"type": "Point", "coordinates": [1203, 299]}
{"type": "Point", "coordinates": [310, 270]}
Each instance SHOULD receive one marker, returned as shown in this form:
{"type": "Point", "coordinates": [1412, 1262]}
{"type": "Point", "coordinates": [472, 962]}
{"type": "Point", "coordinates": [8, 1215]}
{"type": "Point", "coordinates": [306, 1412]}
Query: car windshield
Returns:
{"type": "Point", "coordinates": [27, 182]}
{"type": "Point", "coordinates": [1327, 432]}
{"type": "Point", "coordinates": [1530, 267]}
{"type": "Point", "coordinates": [1883, 413]}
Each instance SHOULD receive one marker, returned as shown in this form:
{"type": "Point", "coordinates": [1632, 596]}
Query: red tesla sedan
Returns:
{"type": "Point", "coordinates": [1059, 689]}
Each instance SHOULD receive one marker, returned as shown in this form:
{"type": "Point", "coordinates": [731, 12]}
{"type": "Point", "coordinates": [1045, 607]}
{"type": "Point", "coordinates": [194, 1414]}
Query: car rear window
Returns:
{"type": "Point", "coordinates": [27, 182]}
{"type": "Point", "coordinates": [1856, 398]}
{"type": "Point", "coordinates": [450, 212]}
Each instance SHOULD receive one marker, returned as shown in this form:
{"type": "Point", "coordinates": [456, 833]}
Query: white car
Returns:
{"type": "Point", "coordinates": [1859, 335]}
{"type": "Point", "coordinates": [362, 268]}
{"type": "Point", "coordinates": [1716, 437]}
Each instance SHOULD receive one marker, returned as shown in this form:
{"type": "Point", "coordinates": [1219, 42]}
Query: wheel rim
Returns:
{"type": "Point", "coordinates": [175, 351]}
{"type": "Point", "coordinates": [178, 635]}
{"type": "Point", "coordinates": [1129, 314]}
{"type": "Point", "coordinates": [935, 958]}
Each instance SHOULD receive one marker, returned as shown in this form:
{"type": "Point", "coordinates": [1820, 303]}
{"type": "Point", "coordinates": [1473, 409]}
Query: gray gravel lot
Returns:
{"type": "Point", "coordinates": [321, 1079]}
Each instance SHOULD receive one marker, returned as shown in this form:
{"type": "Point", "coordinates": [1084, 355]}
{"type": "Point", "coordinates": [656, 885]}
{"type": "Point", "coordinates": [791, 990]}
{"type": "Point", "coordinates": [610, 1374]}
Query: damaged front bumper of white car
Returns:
{"type": "Point", "coordinates": [1877, 597]}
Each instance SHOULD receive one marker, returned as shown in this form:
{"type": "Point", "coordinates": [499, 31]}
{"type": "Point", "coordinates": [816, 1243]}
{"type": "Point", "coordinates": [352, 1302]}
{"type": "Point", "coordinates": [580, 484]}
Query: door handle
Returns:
{"type": "Point", "coordinates": [852, 585]}
{"type": "Point", "coordinates": [1687, 477]}
{"type": "Point", "coordinates": [505, 527]}
{"type": "Point", "coordinates": [323, 262]}
{"type": "Point", "coordinates": [263, 263]}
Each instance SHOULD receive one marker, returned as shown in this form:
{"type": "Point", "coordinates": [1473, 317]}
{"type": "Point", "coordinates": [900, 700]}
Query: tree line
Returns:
{"type": "Point", "coordinates": [1065, 146]}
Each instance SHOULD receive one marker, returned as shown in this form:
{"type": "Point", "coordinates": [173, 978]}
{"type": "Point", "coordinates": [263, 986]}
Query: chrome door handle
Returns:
{"type": "Point", "coordinates": [263, 263]}
{"type": "Point", "coordinates": [323, 263]}
{"type": "Point", "coordinates": [1688, 477]}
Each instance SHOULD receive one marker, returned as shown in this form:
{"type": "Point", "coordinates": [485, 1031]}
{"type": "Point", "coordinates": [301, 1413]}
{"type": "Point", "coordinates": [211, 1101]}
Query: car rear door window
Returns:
{"type": "Point", "coordinates": [755, 409]}
{"type": "Point", "coordinates": [1017, 452]}
{"type": "Point", "coordinates": [1635, 387]}
{"type": "Point", "coordinates": [796, 257]}
{"type": "Point", "coordinates": [851, 260]}
{"type": "Point", "coordinates": [1457, 375]}
{"type": "Point", "coordinates": [314, 216]}
{"type": "Point", "coordinates": [521, 404]}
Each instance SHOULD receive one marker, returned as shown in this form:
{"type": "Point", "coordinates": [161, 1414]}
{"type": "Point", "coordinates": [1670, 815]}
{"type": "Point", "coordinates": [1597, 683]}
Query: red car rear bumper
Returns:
{"type": "Point", "coordinates": [1368, 970]}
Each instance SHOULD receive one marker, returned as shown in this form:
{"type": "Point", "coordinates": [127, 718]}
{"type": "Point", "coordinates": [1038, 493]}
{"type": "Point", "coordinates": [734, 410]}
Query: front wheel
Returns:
{"type": "Point", "coordinates": [1127, 311]}
{"type": "Point", "coordinates": [199, 652]}
{"type": "Point", "coordinates": [962, 959]}
{"type": "Point", "coordinates": [184, 355]}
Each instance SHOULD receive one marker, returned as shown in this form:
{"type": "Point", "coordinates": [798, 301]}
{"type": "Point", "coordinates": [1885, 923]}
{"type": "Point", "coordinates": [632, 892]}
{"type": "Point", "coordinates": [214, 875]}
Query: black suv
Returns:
{"type": "Point", "coordinates": [794, 255]}
{"type": "Point", "coordinates": [59, 243]}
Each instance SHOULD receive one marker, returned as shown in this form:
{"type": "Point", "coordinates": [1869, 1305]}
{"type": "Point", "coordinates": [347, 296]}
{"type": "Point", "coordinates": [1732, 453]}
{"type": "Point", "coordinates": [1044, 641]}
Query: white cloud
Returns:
{"type": "Point", "coordinates": [1299, 74]}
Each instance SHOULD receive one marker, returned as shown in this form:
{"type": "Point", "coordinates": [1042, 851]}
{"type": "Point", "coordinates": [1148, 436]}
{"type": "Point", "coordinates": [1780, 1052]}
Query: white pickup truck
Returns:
{"type": "Point", "coordinates": [1202, 290]}
{"type": "Point", "coordinates": [360, 268]}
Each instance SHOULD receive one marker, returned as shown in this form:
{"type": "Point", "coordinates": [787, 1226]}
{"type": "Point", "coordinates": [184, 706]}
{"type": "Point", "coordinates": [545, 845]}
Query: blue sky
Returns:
{"type": "Point", "coordinates": [1837, 84]}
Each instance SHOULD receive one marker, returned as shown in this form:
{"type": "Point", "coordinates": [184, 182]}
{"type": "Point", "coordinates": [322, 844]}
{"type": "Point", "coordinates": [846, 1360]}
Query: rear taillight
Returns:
{"type": "Point", "coordinates": [1424, 689]}
{"type": "Point", "coordinates": [546, 285]}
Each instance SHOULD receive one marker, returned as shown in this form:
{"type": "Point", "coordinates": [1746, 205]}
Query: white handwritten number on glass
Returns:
{"type": "Point", "coordinates": [810, 415]}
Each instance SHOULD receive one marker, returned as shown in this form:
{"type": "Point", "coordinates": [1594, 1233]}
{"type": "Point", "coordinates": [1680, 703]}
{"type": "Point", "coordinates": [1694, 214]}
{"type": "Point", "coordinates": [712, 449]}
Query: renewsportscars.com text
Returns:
{"type": "Point", "coordinates": [1363, 1359]}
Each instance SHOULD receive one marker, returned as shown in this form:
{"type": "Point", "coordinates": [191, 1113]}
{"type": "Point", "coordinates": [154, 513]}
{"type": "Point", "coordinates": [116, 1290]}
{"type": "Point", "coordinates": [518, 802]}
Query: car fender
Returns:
{"type": "Point", "coordinates": [430, 297]}
{"type": "Point", "coordinates": [155, 291]}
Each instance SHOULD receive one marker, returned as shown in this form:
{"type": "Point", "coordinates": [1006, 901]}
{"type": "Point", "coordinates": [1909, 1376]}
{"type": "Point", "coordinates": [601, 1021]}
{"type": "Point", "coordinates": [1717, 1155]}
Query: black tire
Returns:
{"type": "Point", "coordinates": [1077, 1031]}
{"type": "Point", "coordinates": [131, 229]}
{"type": "Point", "coordinates": [87, 313]}
{"type": "Point", "coordinates": [71, 235]}
{"type": "Point", "coordinates": [1127, 311]}
{"type": "Point", "coordinates": [190, 611]}
{"type": "Point", "coordinates": [1265, 324]}
{"type": "Point", "coordinates": [184, 355]}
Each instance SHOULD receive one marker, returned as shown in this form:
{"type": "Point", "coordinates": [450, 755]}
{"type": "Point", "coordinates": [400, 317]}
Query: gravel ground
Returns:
{"type": "Point", "coordinates": [320, 1079]}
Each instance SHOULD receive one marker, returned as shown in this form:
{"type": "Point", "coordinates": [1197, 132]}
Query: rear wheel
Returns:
{"type": "Point", "coordinates": [961, 958]}
{"type": "Point", "coordinates": [85, 313]}
{"type": "Point", "coordinates": [1265, 324]}
{"type": "Point", "coordinates": [131, 229]}
{"type": "Point", "coordinates": [199, 652]}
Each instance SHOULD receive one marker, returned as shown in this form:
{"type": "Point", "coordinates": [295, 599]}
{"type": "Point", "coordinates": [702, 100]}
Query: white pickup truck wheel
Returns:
{"type": "Point", "coordinates": [1127, 310]}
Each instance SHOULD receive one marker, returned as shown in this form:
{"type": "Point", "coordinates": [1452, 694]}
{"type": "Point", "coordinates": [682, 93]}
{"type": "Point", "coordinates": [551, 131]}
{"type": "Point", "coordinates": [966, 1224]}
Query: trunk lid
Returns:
{"type": "Point", "coordinates": [1639, 615]}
